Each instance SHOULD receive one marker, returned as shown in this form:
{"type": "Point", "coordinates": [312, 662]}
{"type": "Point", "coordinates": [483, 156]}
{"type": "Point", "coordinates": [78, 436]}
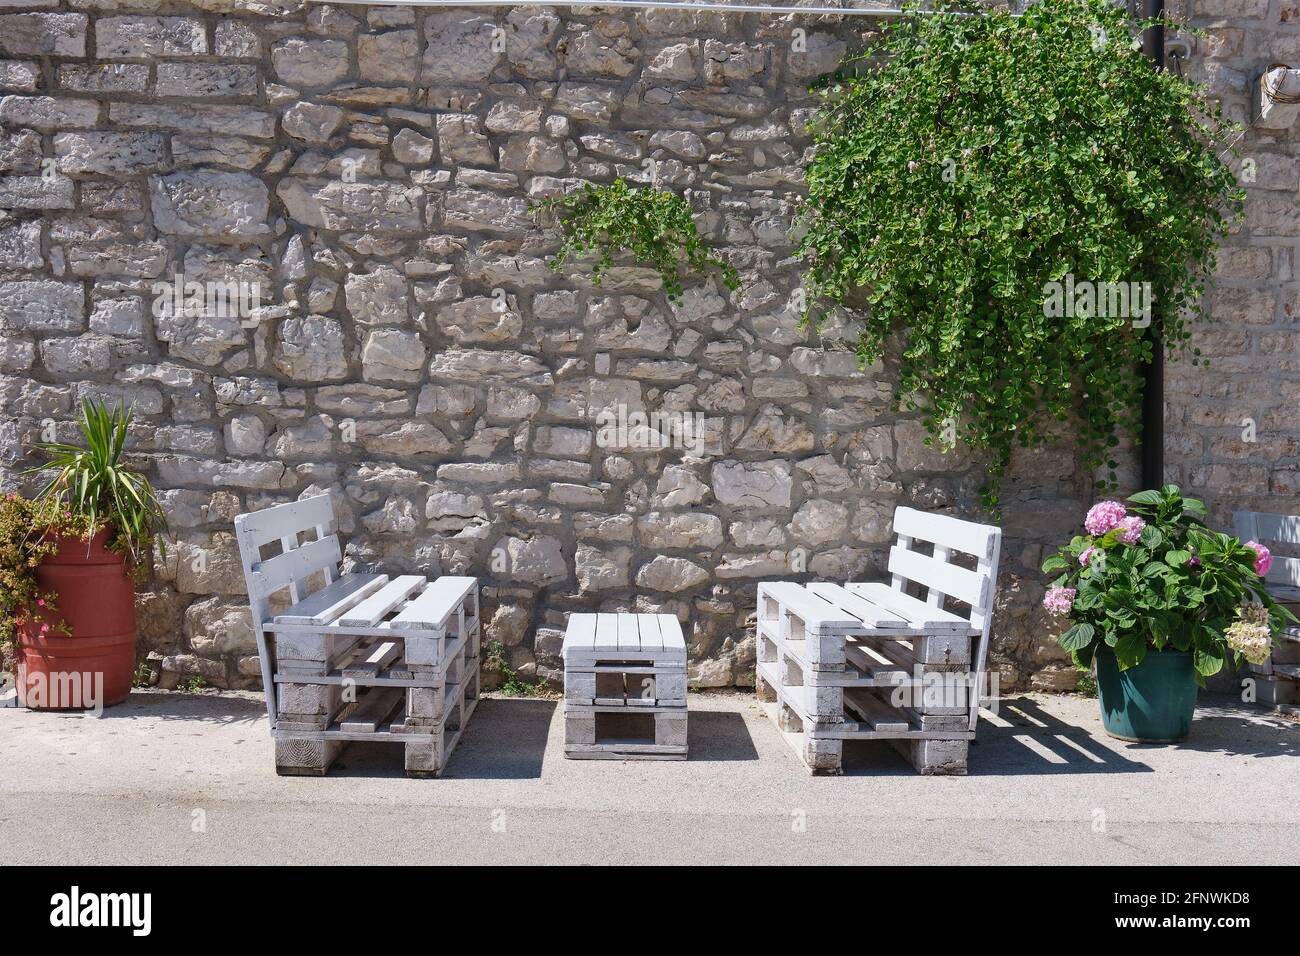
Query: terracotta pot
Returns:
{"type": "Point", "coordinates": [95, 597]}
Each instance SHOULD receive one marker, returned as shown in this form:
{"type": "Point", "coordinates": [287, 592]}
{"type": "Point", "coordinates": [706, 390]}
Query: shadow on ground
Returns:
{"type": "Point", "coordinates": [508, 737]}
{"type": "Point", "coordinates": [1225, 726]}
{"type": "Point", "coordinates": [1026, 739]}
{"type": "Point", "coordinates": [223, 709]}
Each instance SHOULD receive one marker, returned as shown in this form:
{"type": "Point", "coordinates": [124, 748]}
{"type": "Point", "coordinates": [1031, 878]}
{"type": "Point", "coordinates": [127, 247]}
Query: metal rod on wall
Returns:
{"type": "Point", "coordinates": [694, 6]}
{"type": "Point", "coordinates": [1153, 388]}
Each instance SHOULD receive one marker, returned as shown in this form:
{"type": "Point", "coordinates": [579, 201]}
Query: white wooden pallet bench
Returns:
{"type": "Point", "coordinates": [1277, 680]}
{"type": "Point", "coordinates": [624, 687]}
{"type": "Point", "coordinates": [870, 661]}
{"type": "Point", "coordinates": [362, 657]}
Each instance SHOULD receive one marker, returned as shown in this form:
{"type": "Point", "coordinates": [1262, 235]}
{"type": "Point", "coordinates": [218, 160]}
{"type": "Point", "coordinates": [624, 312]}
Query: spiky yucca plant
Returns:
{"type": "Point", "coordinates": [93, 483]}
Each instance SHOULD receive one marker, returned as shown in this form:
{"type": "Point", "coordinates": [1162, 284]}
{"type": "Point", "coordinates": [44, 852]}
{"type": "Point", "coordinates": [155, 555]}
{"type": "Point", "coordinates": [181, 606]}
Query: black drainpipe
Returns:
{"type": "Point", "coordinates": [1153, 392]}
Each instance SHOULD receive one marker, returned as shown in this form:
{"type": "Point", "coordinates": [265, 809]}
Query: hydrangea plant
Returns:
{"type": "Point", "coordinates": [1150, 574]}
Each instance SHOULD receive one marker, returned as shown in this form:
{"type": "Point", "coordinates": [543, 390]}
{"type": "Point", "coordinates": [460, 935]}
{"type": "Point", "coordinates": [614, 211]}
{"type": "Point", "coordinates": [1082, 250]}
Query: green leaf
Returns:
{"type": "Point", "coordinates": [1077, 637]}
{"type": "Point", "coordinates": [1208, 660]}
{"type": "Point", "coordinates": [1146, 498]}
{"type": "Point", "coordinates": [1130, 650]}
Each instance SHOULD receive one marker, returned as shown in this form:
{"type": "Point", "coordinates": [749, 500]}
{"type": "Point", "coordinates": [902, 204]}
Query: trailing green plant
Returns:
{"type": "Point", "coordinates": [654, 226]}
{"type": "Point", "coordinates": [1152, 575]}
{"type": "Point", "coordinates": [967, 165]}
{"type": "Point", "coordinates": [29, 533]}
{"type": "Point", "coordinates": [92, 482]}
{"type": "Point", "coordinates": [512, 685]}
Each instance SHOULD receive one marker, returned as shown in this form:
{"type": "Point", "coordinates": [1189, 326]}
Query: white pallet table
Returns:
{"type": "Point", "coordinates": [832, 660]}
{"type": "Point", "coordinates": [362, 656]}
{"type": "Point", "coordinates": [624, 667]}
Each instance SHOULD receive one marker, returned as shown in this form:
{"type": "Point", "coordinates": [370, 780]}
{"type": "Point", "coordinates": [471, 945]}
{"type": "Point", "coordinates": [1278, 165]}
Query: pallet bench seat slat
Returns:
{"type": "Point", "coordinates": [377, 606]}
{"type": "Point", "coordinates": [873, 615]}
{"type": "Point", "coordinates": [430, 610]}
{"type": "Point", "coordinates": [334, 599]}
{"type": "Point", "coordinates": [919, 615]}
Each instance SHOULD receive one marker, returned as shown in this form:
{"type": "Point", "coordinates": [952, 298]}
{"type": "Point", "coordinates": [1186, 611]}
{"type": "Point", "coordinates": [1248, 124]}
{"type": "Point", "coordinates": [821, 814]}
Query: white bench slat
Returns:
{"type": "Point", "coordinates": [1279, 529]}
{"type": "Point", "coordinates": [876, 665]}
{"type": "Point", "coordinates": [919, 615]}
{"type": "Point", "coordinates": [324, 606]}
{"type": "Point", "coordinates": [374, 608]}
{"type": "Point", "coordinates": [580, 634]}
{"type": "Point", "coordinates": [1264, 527]}
{"type": "Point", "coordinates": [954, 581]}
{"type": "Point", "coordinates": [378, 656]}
{"type": "Point", "coordinates": [652, 637]}
{"type": "Point", "coordinates": [875, 713]}
{"type": "Point", "coordinates": [629, 633]}
{"type": "Point", "coordinates": [967, 536]}
{"type": "Point", "coordinates": [297, 565]}
{"type": "Point", "coordinates": [373, 710]}
{"type": "Point", "coordinates": [1285, 573]}
{"type": "Point", "coordinates": [671, 630]}
{"type": "Point", "coordinates": [873, 615]}
{"type": "Point", "coordinates": [284, 521]}
{"type": "Point", "coordinates": [429, 610]}
{"type": "Point", "coordinates": [606, 632]}
{"type": "Point", "coordinates": [813, 610]}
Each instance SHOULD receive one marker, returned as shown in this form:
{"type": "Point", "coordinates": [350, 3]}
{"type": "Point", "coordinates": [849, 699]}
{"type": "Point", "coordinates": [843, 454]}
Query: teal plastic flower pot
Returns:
{"type": "Point", "coordinates": [1151, 703]}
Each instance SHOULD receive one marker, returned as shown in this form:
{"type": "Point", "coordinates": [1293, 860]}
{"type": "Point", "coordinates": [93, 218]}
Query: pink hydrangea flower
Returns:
{"type": "Point", "coordinates": [1087, 556]}
{"type": "Point", "coordinates": [1059, 600]}
{"type": "Point", "coordinates": [1263, 557]}
{"type": "Point", "coordinates": [1104, 516]}
{"type": "Point", "coordinates": [1132, 532]}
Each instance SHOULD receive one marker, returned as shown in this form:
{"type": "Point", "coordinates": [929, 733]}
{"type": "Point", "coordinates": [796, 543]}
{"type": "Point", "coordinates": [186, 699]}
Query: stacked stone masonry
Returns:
{"type": "Point", "coordinates": [371, 171]}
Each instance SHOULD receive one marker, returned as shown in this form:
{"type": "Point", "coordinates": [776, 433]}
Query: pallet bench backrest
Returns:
{"type": "Point", "coordinates": [295, 567]}
{"type": "Point", "coordinates": [298, 563]}
{"type": "Point", "coordinates": [1272, 530]}
{"type": "Point", "coordinates": [935, 572]}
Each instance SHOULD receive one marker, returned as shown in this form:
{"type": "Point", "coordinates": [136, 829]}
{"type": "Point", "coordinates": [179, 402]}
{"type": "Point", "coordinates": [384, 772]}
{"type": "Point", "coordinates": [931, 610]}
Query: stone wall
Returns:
{"type": "Point", "coordinates": [1234, 428]}
{"type": "Point", "coordinates": [370, 170]}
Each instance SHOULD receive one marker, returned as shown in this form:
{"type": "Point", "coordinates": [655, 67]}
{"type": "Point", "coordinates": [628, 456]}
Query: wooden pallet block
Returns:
{"type": "Point", "coordinates": [599, 732]}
